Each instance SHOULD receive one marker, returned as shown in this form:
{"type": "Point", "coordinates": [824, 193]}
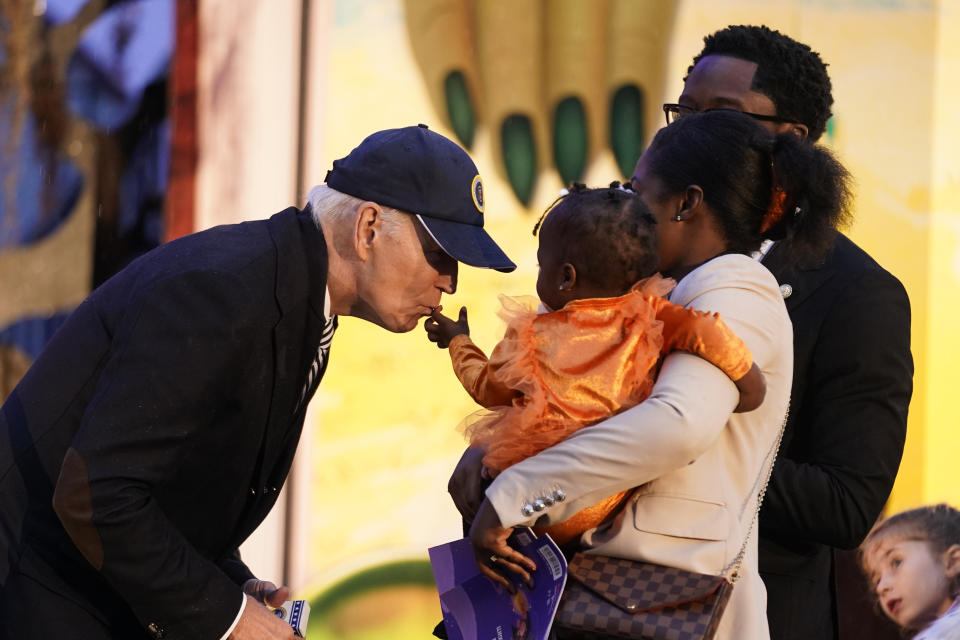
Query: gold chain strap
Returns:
{"type": "Point", "coordinates": [763, 491]}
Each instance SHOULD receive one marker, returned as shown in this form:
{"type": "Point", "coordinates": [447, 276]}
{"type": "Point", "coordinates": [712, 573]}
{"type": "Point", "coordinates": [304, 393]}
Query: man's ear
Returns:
{"type": "Point", "coordinates": [568, 276]}
{"type": "Point", "coordinates": [367, 225]}
{"type": "Point", "coordinates": [689, 204]}
{"type": "Point", "coordinates": [951, 560]}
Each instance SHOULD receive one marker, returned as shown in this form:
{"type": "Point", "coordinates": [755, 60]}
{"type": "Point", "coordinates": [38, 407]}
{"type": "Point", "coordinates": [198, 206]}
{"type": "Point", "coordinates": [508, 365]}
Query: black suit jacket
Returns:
{"type": "Point", "coordinates": [853, 376]}
{"type": "Point", "coordinates": [164, 416]}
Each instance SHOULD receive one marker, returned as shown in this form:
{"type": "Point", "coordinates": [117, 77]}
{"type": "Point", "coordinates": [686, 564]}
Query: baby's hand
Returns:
{"type": "Point", "coordinates": [441, 329]}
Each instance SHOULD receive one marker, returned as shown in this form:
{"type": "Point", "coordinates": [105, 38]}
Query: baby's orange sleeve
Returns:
{"type": "Point", "coordinates": [703, 334]}
{"type": "Point", "coordinates": [478, 374]}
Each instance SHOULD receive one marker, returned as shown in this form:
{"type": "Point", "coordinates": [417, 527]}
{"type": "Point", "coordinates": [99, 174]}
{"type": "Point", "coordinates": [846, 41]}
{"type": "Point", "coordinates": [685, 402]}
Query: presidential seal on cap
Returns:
{"type": "Point", "coordinates": [429, 176]}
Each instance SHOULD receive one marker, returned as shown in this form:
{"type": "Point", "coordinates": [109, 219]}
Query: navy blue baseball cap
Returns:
{"type": "Point", "coordinates": [429, 176]}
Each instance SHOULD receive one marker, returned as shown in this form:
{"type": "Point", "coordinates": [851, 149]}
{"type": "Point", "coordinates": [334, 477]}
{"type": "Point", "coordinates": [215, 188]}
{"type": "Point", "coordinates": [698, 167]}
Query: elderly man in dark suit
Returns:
{"type": "Point", "coordinates": [153, 434]}
{"type": "Point", "coordinates": [853, 372]}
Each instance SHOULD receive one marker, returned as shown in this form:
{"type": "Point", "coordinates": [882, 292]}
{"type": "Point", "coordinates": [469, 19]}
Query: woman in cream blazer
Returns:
{"type": "Point", "coordinates": [698, 467]}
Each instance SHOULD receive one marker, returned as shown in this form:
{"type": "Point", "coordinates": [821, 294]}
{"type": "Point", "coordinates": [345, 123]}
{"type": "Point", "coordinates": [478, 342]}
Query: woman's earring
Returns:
{"type": "Point", "coordinates": [678, 218]}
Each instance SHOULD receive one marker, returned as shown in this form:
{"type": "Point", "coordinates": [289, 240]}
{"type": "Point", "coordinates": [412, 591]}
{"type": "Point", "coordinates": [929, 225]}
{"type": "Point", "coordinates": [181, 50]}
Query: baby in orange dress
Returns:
{"type": "Point", "coordinates": [593, 345]}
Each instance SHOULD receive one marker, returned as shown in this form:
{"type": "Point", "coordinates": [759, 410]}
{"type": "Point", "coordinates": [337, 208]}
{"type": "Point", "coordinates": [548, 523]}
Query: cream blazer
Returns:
{"type": "Point", "coordinates": [698, 466]}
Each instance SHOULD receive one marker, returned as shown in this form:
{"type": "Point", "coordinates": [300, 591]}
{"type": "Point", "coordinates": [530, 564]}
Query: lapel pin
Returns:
{"type": "Point", "coordinates": [786, 291]}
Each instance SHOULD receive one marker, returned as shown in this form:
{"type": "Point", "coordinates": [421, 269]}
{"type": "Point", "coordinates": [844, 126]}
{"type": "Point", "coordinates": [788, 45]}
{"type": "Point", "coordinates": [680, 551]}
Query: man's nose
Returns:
{"type": "Point", "coordinates": [447, 280]}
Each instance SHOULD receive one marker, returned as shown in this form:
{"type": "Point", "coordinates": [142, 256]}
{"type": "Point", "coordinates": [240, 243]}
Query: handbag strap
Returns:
{"type": "Point", "coordinates": [774, 450]}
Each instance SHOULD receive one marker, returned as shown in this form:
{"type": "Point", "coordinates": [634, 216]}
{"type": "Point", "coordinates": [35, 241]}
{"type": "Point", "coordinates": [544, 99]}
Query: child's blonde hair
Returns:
{"type": "Point", "coordinates": [937, 525]}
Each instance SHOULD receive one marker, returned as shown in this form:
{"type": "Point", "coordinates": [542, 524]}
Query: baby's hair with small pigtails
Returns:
{"type": "Point", "coordinates": [608, 234]}
{"type": "Point", "coordinates": [575, 187]}
{"type": "Point", "coordinates": [937, 525]}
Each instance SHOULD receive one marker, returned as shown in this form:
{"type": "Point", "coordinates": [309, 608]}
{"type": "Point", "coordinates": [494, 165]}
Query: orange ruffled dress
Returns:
{"type": "Point", "coordinates": [555, 373]}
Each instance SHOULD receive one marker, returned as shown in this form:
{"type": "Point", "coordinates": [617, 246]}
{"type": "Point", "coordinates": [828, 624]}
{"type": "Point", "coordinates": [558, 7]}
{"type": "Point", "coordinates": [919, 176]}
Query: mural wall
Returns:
{"type": "Point", "coordinates": [83, 158]}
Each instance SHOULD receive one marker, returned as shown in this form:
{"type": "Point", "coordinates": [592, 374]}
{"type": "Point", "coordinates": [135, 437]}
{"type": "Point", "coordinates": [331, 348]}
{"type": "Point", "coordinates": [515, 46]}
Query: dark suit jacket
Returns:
{"type": "Point", "coordinates": [853, 376]}
{"type": "Point", "coordinates": [164, 414]}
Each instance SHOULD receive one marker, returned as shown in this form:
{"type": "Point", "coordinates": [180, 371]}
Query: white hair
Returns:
{"type": "Point", "coordinates": [335, 209]}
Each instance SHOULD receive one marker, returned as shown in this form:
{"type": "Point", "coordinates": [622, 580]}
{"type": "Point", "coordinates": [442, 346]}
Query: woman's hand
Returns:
{"type": "Point", "coordinates": [753, 388]}
{"type": "Point", "coordinates": [466, 483]}
{"type": "Point", "coordinates": [495, 558]}
{"type": "Point", "coordinates": [442, 330]}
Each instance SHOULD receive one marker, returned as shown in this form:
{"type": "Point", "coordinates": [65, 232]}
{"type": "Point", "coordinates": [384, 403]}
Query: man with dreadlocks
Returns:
{"type": "Point", "coordinates": [853, 370]}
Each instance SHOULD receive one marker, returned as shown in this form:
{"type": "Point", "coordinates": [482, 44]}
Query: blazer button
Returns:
{"type": "Point", "coordinates": [559, 495]}
{"type": "Point", "coordinates": [539, 505]}
{"type": "Point", "coordinates": [527, 510]}
{"type": "Point", "coordinates": [156, 631]}
{"type": "Point", "coordinates": [786, 290]}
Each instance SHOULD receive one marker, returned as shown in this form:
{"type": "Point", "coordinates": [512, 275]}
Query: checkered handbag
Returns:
{"type": "Point", "coordinates": [610, 597]}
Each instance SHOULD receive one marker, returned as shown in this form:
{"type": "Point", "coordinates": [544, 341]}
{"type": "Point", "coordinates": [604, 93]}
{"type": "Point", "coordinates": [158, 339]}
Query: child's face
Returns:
{"type": "Point", "coordinates": [911, 580]}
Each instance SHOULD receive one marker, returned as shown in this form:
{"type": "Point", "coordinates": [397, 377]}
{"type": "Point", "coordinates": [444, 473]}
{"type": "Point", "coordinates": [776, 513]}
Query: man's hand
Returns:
{"type": "Point", "coordinates": [259, 623]}
{"type": "Point", "coordinates": [442, 330]}
{"type": "Point", "coordinates": [495, 558]}
{"type": "Point", "coordinates": [265, 592]}
{"type": "Point", "coordinates": [466, 483]}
